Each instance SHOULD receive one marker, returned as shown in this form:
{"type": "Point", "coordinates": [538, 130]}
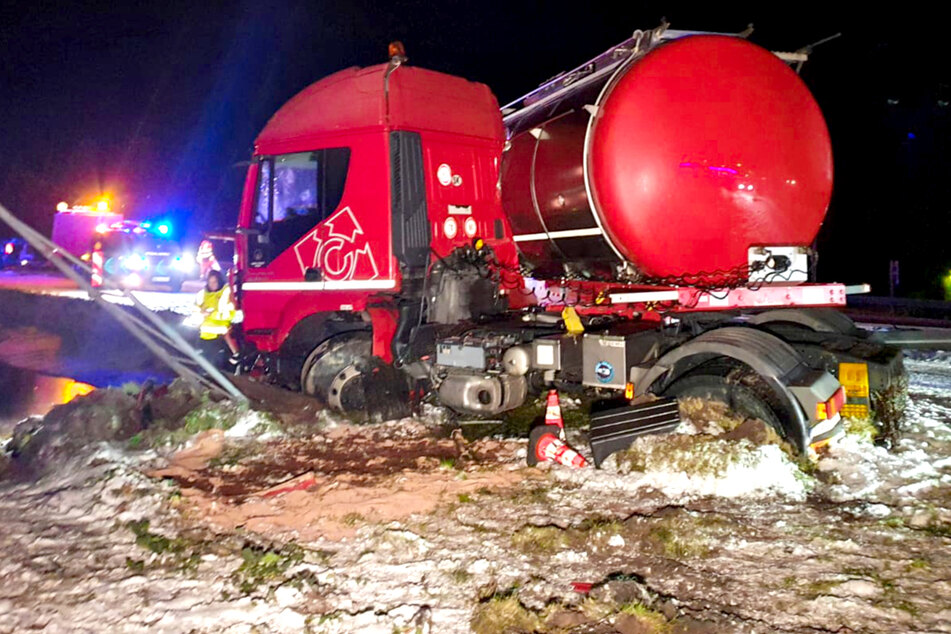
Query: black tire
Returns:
{"type": "Point", "coordinates": [741, 390]}
{"type": "Point", "coordinates": [332, 360]}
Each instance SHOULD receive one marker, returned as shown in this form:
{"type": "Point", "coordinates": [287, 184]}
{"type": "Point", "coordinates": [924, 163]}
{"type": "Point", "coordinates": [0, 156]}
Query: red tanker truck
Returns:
{"type": "Point", "coordinates": [639, 225]}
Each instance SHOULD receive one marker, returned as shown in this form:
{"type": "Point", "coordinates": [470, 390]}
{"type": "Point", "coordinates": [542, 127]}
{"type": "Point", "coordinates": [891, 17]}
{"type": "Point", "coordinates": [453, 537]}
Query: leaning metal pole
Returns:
{"type": "Point", "coordinates": [146, 326]}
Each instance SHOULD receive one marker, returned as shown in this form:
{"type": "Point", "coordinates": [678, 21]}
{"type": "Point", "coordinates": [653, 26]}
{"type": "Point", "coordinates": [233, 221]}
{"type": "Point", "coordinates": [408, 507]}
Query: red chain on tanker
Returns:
{"type": "Point", "coordinates": [706, 282]}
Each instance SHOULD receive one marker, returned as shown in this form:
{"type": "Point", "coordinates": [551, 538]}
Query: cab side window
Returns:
{"type": "Point", "coordinates": [295, 193]}
{"type": "Point", "coordinates": [262, 207]}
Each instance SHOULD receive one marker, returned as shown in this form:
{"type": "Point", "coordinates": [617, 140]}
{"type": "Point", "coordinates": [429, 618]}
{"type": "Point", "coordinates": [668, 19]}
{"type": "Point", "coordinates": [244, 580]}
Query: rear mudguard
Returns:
{"type": "Point", "coordinates": [826, 338]}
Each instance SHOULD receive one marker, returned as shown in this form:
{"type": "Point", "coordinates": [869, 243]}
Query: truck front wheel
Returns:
{"type": "Point", "coordinates": [335, 370]}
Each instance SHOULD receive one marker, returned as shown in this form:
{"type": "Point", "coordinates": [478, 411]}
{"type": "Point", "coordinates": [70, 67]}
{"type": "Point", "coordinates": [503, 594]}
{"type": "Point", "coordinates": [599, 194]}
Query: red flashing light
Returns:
{"type": "Point", "coordinates": [8, 249]}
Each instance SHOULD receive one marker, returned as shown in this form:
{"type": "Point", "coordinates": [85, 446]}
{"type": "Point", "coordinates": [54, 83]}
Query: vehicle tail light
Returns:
{"type": "Point", "coordinates": [828, 409]}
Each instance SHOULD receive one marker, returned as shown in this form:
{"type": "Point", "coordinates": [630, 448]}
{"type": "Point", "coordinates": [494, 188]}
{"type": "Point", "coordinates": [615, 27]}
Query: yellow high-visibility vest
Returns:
{"type": "Point", "coordinates": [218, 310]}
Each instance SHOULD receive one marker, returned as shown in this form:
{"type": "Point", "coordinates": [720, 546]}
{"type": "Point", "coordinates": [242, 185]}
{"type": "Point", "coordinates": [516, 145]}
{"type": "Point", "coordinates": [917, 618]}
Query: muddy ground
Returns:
{"type": "Point", "coordinates": [407, 526]}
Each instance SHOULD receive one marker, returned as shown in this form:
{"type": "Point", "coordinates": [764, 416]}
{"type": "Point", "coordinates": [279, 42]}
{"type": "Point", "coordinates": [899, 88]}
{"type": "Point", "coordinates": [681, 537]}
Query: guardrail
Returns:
{"type": "Point", "coordinates": [899, 310]}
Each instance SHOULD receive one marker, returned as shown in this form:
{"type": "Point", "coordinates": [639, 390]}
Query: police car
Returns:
{"type": "Point", "coordinates": [16, 254]}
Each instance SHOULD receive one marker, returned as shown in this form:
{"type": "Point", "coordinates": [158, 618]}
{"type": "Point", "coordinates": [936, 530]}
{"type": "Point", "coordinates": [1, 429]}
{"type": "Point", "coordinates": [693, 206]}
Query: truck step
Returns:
{"type": "Point", "coordinates": [615, 429]}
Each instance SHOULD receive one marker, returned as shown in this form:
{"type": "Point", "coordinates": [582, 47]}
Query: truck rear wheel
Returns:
{"type": "Point", "coordinates": [740, 389]}
{"type": "Point", "coordinates": [334, 371]}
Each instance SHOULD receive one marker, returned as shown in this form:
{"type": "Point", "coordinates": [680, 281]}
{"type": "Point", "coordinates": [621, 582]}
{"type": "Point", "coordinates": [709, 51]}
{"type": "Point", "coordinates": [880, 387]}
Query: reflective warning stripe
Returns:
{"type": "Point", "coordinates": [212, 331]}
{"type": "Point", "coordinates": [645, 296]}
{"type": "Point", "coordinates": [553, 449]}
{"type": "Point", "coordinates": [553, 235]}
{"type": "Point", "coordinates": [344, 285]}
{"type": "Point", "coordinates": [97, 266]}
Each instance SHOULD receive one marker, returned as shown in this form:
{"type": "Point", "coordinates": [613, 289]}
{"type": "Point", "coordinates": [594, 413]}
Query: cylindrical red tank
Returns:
{"type": "Point", "coordinates": [694, 152]}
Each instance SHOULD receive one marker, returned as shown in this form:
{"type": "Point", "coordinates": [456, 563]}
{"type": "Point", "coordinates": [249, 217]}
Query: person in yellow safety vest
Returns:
{"type": "Point", "coordinates": [217, 311]}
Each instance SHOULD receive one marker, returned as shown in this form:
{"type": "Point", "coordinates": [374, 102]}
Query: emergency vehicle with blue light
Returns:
{"type": "Point", "coordinates": [139, 255]}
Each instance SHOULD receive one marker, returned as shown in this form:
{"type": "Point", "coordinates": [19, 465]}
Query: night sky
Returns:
{"type": "Point", "coordinates": [158, 103]}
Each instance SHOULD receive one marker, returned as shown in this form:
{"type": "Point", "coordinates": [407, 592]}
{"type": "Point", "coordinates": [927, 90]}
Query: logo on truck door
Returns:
{"type": "Point", "coordinates": [337, 248]}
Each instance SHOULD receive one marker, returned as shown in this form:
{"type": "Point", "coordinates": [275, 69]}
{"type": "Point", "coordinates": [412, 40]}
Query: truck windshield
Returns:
{"type": "Point", "coordinates": [297, 191]}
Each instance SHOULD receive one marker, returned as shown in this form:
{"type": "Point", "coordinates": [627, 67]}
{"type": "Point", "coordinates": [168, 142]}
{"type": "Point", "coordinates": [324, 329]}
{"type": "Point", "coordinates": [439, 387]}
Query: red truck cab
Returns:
{"type": "Point", "coordinates": [354, 182]}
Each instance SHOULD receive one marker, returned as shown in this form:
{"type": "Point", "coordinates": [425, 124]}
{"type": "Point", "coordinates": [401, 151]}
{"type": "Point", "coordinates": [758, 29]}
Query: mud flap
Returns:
{"type": "Point", "coordinates": [615, 429]}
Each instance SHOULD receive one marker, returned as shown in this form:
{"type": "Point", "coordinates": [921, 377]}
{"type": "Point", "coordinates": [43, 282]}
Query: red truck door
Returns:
{"type": "Point", "coordinates": [316, 233]}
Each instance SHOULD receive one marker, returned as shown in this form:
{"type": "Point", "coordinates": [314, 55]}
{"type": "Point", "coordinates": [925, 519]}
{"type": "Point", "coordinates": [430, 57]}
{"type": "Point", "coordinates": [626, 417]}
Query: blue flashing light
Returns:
{"type": "Point", "coordinates": [164, 229]}
{"type": "Point", "coordinates": [911, 135]}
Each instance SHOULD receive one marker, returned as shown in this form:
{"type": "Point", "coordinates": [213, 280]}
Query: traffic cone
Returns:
{"type": "Point", "coordinates": [98, 263]}
{"type": "Point", "coordinates": [545, 446]}
{"type": "Point", "coordinates": [553, 413]}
